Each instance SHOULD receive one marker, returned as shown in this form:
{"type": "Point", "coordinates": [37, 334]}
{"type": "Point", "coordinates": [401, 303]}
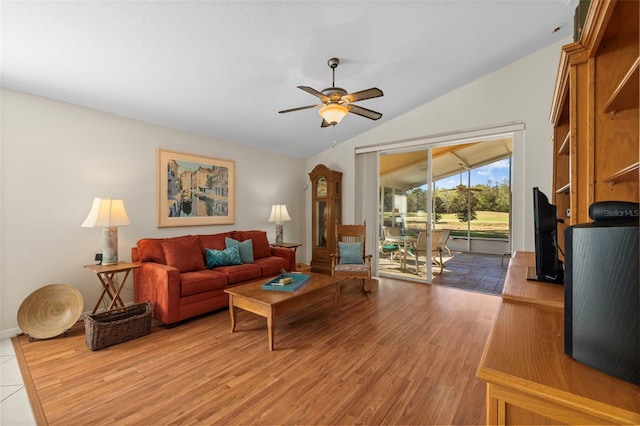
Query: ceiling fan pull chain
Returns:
{"type": "Point", "coordinates": [334, 136]}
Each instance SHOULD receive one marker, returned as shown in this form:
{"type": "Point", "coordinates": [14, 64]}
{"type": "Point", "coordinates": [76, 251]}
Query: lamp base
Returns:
{"type": "Point", "coordinates": [279, 232]}
{"type": "Point", "coordinates": [110, 245]}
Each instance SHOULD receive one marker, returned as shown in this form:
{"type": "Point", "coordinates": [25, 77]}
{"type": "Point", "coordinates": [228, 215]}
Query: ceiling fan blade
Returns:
{"type": "Point", "coordinates": [297, 109]}
{"type": "Point", "coordinates": [325, 123]}
{"type": "Point", "coordinates": [373, 115]}
{"type": "Point", "coordinates": [314, 92]}
{"type": "Point", "coordinates": [374, 92]}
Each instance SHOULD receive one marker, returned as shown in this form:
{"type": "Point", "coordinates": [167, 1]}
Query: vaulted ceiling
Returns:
{"type": "Point", "coordinates": [225, 68]}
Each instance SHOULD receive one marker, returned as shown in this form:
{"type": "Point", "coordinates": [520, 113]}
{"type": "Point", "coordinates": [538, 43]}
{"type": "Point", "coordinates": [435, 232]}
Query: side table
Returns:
{"type": "Point", "coordinates": [300, 267]}
{"type": "Point", "coordinates": [292, 246]}
{"type": "Point", "coordinates": [110, 286]}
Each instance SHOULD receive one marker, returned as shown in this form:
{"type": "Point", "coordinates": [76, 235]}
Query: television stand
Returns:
{"type": "Point", "coordinates": [529, 378]}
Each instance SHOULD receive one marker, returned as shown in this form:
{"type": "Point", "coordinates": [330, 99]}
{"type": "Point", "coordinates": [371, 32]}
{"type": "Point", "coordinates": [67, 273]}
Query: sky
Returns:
{"type": "Point", "coordinates": [495, 172]}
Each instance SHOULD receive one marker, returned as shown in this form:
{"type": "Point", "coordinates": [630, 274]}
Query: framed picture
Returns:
{"type": "Point", "coordinates": [195, 190]}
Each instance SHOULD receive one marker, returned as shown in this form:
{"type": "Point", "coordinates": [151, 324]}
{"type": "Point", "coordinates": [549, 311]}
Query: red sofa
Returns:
{"type": "Point", "coordinates": [173, 275]}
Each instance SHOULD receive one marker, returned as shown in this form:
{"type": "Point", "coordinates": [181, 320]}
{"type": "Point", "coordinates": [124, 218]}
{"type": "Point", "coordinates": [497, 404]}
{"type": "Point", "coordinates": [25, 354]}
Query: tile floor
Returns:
{"type": "Point", "coordinates": [15, 409]}
{"type": "Point", "coordinates": [484, 273]}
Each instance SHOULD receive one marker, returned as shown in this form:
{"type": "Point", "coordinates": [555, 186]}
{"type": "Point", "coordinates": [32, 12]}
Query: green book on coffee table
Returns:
{"type": "Point", "coordinates": [298, 280]}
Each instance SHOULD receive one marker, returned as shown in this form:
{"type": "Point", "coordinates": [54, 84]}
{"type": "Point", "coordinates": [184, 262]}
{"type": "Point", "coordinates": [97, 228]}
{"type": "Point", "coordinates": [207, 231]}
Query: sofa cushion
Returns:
{"type": "Point", "coordinates": [201, 281]}
{"type": "Point", "coordinates": [183, 253]}
{"type": "Point", "coordinates": [216, 258]}
{"type": "Point", "coordinates": [214, 241]}
{"type": "Point", "coordinates": [350, 253]}
{"type": "Point", "coordinates": [150, 250]}
{"type": "Point", "coordinates": [240, 273]}
{"type": "Point", "coordinates": [272, 265]}
{"type": "Point", "coordinates": [245, 247]}
{"type": "Point", "coordinates": [260, 242]}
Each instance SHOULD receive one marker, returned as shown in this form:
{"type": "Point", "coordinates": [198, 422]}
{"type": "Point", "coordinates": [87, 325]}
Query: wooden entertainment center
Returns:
{"type": "Point", "coordinates": [595, 117]}
{"type": "Point", "coordinates": [595, 113]}
{"type": "Point", "coordinates": [529, 378]}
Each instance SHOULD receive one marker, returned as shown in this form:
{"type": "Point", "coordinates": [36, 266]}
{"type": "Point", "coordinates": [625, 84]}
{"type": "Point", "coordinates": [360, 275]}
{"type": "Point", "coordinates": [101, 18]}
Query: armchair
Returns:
{"type": "Point", "coordinates": [350, 259]}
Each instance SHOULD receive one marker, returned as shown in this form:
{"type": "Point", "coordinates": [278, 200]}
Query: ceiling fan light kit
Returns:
{"type": "Point", "coordinates": [337, 103]}
{"type": "Point", "coordinates": [333, 113]}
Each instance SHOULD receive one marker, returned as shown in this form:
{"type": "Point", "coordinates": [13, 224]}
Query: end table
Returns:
{"type": "Point", "coordinates": [110, 286]}
{"type": "Point", "coordinates": [292, 246]}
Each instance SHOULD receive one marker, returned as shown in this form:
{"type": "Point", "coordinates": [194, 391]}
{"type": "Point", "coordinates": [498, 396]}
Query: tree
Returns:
{"type": "Point", "coordinates": [416, 199]}
{"type": "Point", "coordinates": [493, 197]}
{"type": "Point", "coordinates": [439, 208]}
{"type": "Point", "coordinates": [460, 205]}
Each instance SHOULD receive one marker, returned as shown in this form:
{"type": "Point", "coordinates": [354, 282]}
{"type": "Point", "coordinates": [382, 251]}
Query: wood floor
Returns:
{"type": "Point", "coordinates": [406, 354]}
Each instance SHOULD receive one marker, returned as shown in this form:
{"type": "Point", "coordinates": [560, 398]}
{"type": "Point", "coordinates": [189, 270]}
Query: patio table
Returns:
{"type": "Point", "coordinates": [406, 242]}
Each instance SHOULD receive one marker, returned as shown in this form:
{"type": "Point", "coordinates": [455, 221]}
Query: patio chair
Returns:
{"type": "Point", "coordinates": [387, 246]}
{"type": "Point", "coordinates": [442, 244]}
{"type": "Point", "coordinates": [391, 231]}
{"type": "Point", "coordinates": [390, 249]}
{"type": "Point", "coordinates": [438, 241]}
{"type": "Point", "coordinates": [420, 249]}
{"type": "Point", "coordinates": [350, 259]}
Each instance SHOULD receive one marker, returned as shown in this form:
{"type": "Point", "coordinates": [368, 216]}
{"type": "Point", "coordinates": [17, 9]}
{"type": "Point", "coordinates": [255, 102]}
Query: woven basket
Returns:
{"type": "Point", "coordinates": [117, 325]}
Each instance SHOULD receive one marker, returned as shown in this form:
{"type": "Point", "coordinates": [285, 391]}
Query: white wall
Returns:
{"type": "Point", "coordinates": [519, 92]}
{"type": "Point", "coordinates": [56, 157]}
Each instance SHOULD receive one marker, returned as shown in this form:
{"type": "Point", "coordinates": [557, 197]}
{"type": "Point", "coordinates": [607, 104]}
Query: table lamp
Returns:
{"type": "Point", "coordinates": [109, 214]}
{"type": "Point", "coordinates": [279, 214]}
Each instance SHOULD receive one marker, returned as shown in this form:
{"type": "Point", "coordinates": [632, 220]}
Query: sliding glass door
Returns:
{"type": "Point", "coordinates": [406, 214]}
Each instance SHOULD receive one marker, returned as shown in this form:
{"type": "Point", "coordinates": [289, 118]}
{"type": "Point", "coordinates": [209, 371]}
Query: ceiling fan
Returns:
{"type": "Point", "coordinates": [336, 102]}
{"type": "Point", "coordinates": [463, 188]}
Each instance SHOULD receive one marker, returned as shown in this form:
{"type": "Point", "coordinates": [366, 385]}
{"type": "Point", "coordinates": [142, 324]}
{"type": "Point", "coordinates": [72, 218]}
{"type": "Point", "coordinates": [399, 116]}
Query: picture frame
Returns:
{"type": "Point", "coordinates": [194, 190]}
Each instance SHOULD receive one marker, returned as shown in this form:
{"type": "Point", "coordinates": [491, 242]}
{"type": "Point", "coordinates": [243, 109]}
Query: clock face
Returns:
{"type": "Point", "coordinates": [321, 187]}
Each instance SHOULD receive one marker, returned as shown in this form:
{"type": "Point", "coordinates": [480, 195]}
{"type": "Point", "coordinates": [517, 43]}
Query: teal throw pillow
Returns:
{"type": "Point", "coordinates": [226, 257]}
{"type": "Point", "coordinates": [350, 253]}
{"type": "Point", "coordinates": [245, 247]}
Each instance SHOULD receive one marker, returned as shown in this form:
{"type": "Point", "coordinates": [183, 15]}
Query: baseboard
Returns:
{"type": "Point", "coordinates": [7, 334]}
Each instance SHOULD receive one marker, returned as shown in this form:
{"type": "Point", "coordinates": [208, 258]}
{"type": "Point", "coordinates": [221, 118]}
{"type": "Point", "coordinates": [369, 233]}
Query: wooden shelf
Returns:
{"type": "Point", "coordinates": [597, 87]}
{"type": "Point", "coordinates": [564, 148]}
{"type": "Point", "coordinates": [627, 174]}
{"type": "Point", "coordinates": [625, 96]}
{"type": "Point", "coordinates": [563, 188]}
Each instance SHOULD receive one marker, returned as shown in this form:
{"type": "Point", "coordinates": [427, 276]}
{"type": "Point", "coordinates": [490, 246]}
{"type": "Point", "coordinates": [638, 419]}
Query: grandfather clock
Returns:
{"type": "Point", "coordinates": [326, 211]}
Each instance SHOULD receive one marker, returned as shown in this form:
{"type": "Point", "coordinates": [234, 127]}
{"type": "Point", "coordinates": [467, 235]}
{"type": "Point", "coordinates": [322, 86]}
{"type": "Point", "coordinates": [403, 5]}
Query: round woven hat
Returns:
{"type": "Point", "coordinates": [50, 311]}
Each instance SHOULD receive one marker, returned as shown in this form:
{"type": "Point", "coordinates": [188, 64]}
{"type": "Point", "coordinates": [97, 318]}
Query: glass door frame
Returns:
{"type": "Point", "coordinates": [429, 223]}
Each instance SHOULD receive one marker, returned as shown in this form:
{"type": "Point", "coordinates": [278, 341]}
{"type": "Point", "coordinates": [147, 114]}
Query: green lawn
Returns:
{"type": "Point", "coordinates": [487, 225]}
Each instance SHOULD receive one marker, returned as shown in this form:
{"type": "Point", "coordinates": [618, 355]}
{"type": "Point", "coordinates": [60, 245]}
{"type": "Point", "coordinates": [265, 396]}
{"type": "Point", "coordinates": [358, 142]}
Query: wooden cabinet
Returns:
{"type": "Point", "coordinates": [595, 113]}
{"type": "Point", "coordinates": [529, 378]}
{"type": "Point", "coordinates": [326, 211]}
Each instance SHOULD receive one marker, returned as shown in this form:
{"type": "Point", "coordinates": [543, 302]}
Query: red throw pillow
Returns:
{"type": "Point", "coordinates": [184, 253]}
{"type": "Point", "coordinates": [213, 241]}
{"type": "Point", "coordinates": [150, 250]}
{"type": "Point", "coordinates": [261, 246]}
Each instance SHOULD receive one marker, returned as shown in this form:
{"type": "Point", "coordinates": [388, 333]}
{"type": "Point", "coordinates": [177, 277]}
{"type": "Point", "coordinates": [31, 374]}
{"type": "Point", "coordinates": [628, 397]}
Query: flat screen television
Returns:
{"type": "Point", "coordinates": [548, 265]}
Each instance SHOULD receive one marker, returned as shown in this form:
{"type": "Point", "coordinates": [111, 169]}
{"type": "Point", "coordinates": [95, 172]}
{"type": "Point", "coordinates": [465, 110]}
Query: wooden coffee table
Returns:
{"type": "Point", "coordinates": [269, 304]}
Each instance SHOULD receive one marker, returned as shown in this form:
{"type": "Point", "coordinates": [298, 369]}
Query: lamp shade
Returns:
{"type": "Point", "coordinates": [333, 113]}
{"type": "Point", "coordinates": [106, 212]}
{"type": "Point", "coordinates": [279, 213]}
